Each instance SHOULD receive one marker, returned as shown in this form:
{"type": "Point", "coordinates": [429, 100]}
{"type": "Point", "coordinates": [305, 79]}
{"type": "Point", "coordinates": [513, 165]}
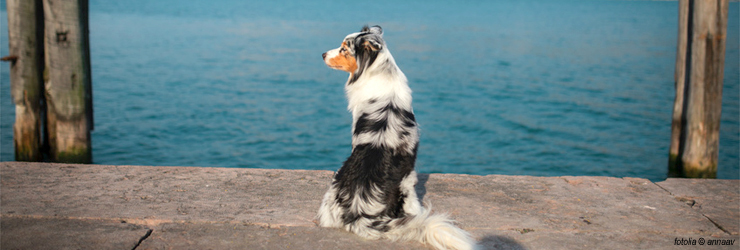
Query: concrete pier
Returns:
{"type": "Point", "coordinates": [67, 206]}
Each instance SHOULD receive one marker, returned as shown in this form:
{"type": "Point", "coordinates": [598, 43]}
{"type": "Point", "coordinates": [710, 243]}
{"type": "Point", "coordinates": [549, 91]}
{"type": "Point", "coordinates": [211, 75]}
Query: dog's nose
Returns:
{"type": "Point", "coordinates": [323, 56]}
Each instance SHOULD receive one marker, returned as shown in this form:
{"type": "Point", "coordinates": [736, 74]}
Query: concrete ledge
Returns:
{"type": "Point", "coordinates": [63, 206]}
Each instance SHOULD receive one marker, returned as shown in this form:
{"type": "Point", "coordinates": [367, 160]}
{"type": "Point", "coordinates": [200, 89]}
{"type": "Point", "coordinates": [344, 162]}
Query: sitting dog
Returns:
{"type": "Point", "coordinates": [373, 193]}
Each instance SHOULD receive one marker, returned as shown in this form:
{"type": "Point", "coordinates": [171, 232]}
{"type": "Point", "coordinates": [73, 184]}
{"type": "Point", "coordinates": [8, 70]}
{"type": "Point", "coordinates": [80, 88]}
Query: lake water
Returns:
{"type": "Point", "coordinates": [544, 88]}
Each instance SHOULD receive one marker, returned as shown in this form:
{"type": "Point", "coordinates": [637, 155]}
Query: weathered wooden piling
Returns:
{"type": "Point", "coordinates": [68, 80]}
{"type": "Point", "coordinates": [699, 75]}
{"type": "Point", "coordinates": [25, 39]}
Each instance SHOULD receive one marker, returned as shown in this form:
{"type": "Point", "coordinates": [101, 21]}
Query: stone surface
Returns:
{"type": "Point", "coordinates": [153, 195]}
{"type": "Point", "coordinates": [222, 208]}
{"type": "Point", "coordinates": [228, 236]}
{"type": "Point", "coordinates": [718, 200]}
{"type": "Point", "coordinates": [59, 233]}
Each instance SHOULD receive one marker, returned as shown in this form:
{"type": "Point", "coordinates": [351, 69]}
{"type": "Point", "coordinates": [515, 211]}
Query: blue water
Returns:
{"type": "Point", "coordinates": [544, 88]}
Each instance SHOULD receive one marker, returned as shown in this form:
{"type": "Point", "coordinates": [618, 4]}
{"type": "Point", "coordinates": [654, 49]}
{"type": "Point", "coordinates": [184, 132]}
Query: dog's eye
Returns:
{"type": "Point", "coordinates": [342, 50]}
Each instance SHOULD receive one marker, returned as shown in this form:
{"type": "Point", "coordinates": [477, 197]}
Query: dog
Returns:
{"type": "Point", "coordinates": [372, 194]}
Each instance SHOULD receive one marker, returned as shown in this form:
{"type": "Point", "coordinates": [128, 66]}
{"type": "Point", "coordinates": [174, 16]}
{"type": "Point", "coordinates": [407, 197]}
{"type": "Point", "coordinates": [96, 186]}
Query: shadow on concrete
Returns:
{"type": "Point", "coordinates": [499, 242]}
{"type": "Point", "coordinates": [490, 242]}
{"type": "Point", "coordinates": [421, 186]}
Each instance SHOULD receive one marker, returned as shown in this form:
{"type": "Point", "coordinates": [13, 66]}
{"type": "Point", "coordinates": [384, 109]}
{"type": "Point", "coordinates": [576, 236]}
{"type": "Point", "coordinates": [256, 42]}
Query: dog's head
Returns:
{"type": "Point", "coordinates": [357, 52]}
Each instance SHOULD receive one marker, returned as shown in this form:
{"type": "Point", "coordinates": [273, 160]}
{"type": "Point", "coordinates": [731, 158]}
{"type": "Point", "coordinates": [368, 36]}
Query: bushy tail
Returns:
{"type": "Point", "coordinates": [436, 230]}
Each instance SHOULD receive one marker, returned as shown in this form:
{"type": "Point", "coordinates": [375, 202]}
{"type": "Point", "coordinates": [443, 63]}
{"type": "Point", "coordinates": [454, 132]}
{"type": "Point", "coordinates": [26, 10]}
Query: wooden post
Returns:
{"type": "Point", "coordinates": [68, 80]}
{"type": "Point", "coordinates": [674, 167]}
{"type": "Point", "coordinates": [700, 69]}
{"type": "Point", "coordinates": [25, 39]}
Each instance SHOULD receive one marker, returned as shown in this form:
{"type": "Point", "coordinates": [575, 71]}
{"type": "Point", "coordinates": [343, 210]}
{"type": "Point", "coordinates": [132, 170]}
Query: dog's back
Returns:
{"type": "Point", "coordinates": [373, 193]}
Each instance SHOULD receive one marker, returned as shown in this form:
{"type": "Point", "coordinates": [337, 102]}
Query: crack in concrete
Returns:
{"type": "Point", "coordinates": [148, 233]}
{"type": "Point", "coordinates": [669, 192]}
{"type": "Point", "coordinates": [693, 202]}
{"type": "Point", "coordinates": [717, 225]}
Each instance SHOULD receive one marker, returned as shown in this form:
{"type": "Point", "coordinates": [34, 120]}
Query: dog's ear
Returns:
{"type": "Point", "coordinates": [368, 45]}
{"type": "Point", "coordinates": [375, 30]}
{"type": "Point", "coordinates": [371, 44]}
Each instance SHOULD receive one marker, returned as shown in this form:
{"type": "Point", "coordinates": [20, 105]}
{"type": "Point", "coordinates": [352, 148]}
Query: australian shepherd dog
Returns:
{"type": "Point", "coordinates": [373, 193]}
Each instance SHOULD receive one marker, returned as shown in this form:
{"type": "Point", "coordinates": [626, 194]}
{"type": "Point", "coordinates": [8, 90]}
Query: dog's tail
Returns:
{"type": "Point", "coordinates": [433, 229]}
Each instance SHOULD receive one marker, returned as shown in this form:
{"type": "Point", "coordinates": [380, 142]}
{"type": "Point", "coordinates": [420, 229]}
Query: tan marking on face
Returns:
{"type": "Point", "coordinates": [343, 61]}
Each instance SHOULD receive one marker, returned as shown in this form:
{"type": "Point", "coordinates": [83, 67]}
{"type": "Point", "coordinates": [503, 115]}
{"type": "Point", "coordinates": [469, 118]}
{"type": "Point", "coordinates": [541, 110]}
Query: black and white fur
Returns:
{"type": "Point", "coordinates": [373, 193]}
